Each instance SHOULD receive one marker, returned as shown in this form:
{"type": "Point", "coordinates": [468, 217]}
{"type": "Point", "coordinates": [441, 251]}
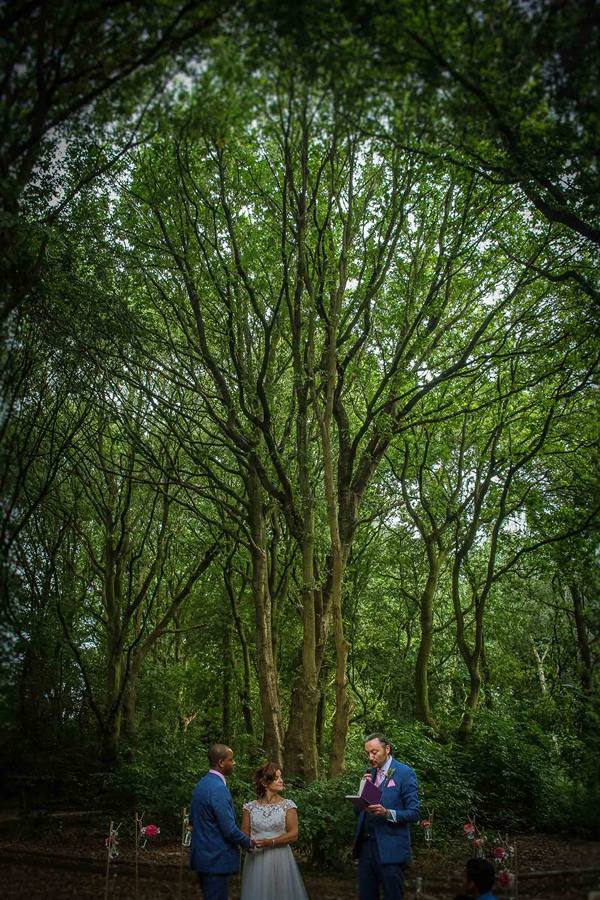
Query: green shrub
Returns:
{"type": "Point", "coordinates": [445, 789]}
{"type": "Point", "coordinates": [517, 774]}
{"type": "Point", "coordinates": [327, 820]}
{"type": "Point", "coordinates": [510, 776]}
{"type": "Point", "coordinates": [159, 780]}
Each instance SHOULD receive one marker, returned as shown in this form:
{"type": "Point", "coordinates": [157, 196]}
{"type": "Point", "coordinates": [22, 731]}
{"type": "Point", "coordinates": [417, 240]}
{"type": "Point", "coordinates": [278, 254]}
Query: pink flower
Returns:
{"type": "Point", "coordinates": [478, 842]}
{"type": "Point", "coordinates": [425, 823]}
{"type": "Point", "coordinates": [499, 852]}
{"type": "Point", "coordinates": [504, 878]}
{"type": "Point", "coordinates": [150, 830]}
{"type": "Point", "coordinates": [469, 829]}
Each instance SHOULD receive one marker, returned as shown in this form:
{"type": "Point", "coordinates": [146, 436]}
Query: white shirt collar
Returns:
{"type": "Point", "coordinates": [386, 764]}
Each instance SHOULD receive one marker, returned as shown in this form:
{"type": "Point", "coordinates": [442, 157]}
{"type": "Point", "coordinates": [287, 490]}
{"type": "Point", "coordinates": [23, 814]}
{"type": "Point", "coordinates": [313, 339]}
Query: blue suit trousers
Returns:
{"type": "Point", "coordinates": [214, 887]}
{"type": "Point", "coordinates": [372, 875]}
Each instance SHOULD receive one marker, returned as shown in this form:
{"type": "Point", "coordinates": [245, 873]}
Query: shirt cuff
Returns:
{"type": "Point", "coordinates": [391, 815]}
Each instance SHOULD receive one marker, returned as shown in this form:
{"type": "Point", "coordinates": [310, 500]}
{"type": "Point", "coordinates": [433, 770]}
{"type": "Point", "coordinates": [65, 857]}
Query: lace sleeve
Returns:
{"type": "Point", "coordinates": [249, 806]}
{"type": "Point", "coordinates": [289, 804]}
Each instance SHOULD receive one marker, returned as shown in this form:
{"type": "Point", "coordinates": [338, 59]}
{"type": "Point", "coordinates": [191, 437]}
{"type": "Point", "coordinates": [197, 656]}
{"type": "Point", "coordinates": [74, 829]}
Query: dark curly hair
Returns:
{"type": "Point", "coordinates": [264, 776]}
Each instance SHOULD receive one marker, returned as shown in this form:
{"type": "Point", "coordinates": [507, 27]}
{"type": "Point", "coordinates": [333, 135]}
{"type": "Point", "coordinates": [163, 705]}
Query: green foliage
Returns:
{"type": "Point", "coordinates": [519, 777]}
{"type": "Point", "coordinates": [445, 788]}
{"type": "Point", "coordinates": [159, 780]}
{"type": "Point", "coordinates": [327, 820]}
{"type": "Point", "coordinates": [302, 288]}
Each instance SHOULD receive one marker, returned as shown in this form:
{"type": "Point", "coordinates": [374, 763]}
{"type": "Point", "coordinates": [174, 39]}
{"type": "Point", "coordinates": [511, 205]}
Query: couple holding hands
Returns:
{"type": "Point", "coordinates": [270, 825]}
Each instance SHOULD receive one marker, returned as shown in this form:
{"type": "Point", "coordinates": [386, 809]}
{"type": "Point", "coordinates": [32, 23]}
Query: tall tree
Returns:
{"type": "Point", "coordinates": [325, 269]}
{"type": "Point", "coordinates": [71, 76]}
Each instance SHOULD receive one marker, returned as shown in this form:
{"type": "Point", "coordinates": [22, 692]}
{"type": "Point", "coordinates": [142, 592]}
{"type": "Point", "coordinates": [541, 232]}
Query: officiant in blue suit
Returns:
{"type": "Point", "coordinates": [216, 838]}
{"type": "Point", "coordinates": [382, 836]}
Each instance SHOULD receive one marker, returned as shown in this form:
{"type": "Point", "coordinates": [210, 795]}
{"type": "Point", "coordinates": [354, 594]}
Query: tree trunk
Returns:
{"type": "Point", "coordinates": [321, 717]}
{"type": "Point", "coordinates": [111, 733]}
{"type": "Point", "coordinates": [113, 706]}
{"type": "Point", "coordinates": [227, 680]}
{"type": "Point", "coordinates": [267, 668]}
{"type": "Point", "coordinates": [245, 700]}
{"type": "Point", "coordinates": [341, 716]}
{"type": "Point", "coordinates": [465, 728]}
{"type": "Point", "coordinates": [309, 687]}
{"type": "Point", "coordinates": [246, 680]}
{"type": "Point", "coordinates": [129, 709]}
{"type": "Point", "coordinates": [423, 712]}
{"type": "Point", "coordinates": [583, 642]}
{"type": "Point", "coordinates": [539, 663]}
{"type": "Point", "coordinates": [473, 660]}
{"type": "Point", "coordinates": [293, 759]}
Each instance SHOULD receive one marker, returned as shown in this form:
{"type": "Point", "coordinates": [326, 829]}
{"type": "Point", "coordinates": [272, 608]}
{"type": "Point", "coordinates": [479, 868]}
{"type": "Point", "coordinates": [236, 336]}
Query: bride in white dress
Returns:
{"type": "Point", "coordinates": [271, 872]}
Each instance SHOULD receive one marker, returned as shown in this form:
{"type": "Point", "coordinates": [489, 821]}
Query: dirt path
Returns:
{"type": "Point", "coordinates": [63, 866]}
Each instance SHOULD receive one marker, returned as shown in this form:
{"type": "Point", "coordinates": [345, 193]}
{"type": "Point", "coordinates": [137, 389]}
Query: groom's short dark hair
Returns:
{"type": "Point", "coordinates": [378, 736]}
{"type": "Point", "coordinates": [216, 753]}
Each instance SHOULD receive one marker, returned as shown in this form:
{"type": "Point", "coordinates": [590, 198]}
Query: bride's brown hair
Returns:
{"type": "Point", "coordinates": [263, 777]}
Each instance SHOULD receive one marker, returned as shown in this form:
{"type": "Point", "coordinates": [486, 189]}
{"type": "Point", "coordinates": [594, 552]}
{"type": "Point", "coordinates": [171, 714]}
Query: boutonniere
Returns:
{"type": "Point", "coordinates": [389, 775]}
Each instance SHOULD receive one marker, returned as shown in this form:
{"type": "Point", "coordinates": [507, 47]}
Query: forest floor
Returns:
{"type": "Point", "coordinates": [62, 859]}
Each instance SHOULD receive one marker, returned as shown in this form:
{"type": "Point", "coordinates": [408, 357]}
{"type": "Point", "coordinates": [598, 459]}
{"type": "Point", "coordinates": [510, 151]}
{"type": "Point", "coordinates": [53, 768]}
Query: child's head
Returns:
{"type": "Point", "coordinates": [480, 875]}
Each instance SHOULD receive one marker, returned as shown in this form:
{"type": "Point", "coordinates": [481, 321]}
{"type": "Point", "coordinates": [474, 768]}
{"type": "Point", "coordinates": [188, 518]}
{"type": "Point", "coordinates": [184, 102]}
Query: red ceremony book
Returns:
{"type": "Point", "coordinates": [369, 795]}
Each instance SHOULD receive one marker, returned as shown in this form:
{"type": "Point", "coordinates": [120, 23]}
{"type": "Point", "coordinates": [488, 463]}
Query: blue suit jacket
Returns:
{"type": "Point", "coordinates": [393, 838]}
{"type": "Point", "coordinates": [216, 838]}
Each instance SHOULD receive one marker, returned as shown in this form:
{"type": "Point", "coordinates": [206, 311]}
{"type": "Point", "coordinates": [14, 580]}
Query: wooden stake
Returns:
{"type": "Point", "coordinates": [182, 848]}
{"type": "Point", "coordinates": [137, 844]}
{"type": "Point", "coordinates": [108, 849]}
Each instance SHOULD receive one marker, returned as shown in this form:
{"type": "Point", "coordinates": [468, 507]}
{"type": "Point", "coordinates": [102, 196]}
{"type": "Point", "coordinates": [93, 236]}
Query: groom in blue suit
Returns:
{"type": "Point", "coordinates": [382, 837]}
{"type": "Point", "coordinates": [216, 838]}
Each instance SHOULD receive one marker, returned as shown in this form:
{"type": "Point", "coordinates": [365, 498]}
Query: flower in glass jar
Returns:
{"type": "Point", "coordinates": [505, 878]}
{"type": "Point", "coordinates": [112, 844]}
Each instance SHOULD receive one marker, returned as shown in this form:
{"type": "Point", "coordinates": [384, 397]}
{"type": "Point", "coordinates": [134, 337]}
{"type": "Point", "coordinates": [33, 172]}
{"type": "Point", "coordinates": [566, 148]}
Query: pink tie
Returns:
{"type": "Point", "coordinates": [379, 778]}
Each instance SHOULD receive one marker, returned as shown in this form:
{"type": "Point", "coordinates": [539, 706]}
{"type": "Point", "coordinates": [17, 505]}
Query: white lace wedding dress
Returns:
{"type": "Point", "coordinates": [272, 873]}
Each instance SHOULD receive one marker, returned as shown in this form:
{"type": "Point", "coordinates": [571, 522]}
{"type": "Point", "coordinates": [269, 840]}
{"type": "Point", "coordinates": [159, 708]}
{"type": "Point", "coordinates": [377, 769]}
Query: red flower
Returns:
{"type": "Point", "coordinates": [469, 828]}
{"type": "Point", "coordinates": [499, 852]}
{"type": "Point", "coordinates": [150, 830]}
{"type": "Point", "coordinates": [478, 842]}
{"type": "Point", "coordinates": [425, 823]}
{"type": "Point", "coordinates": [504, 878]}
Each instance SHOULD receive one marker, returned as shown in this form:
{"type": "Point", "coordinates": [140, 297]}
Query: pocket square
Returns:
{"type": "Point", "coordinates": [391, 783]}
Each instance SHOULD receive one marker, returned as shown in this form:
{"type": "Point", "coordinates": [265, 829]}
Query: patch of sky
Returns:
{"type": "Point", "coordinates": [394, 521]}
{"type": "Point", "coordinates": [182, 83]}
{"type": "Point", "coordinates": [9, 641]}
{"type": "Point", "coordinates": [425, 374]}
{"type": "Point", "coordinates": [553, 71]}
{"type": "Point", "coordinates": [492, 297]}
{"type": "Point", "coordinates": [249, 212]}
{"type": "Point", "coordinates": [529, 8]}
{"type": "Point", "coordinates": [477, 14]}
{"type": "Point", "coordinates": [516, 523]}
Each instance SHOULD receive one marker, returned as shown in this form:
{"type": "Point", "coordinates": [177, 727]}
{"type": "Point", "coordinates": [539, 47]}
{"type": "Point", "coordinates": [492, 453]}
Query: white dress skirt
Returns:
{"type": "Point", "coordinates": [272, 873]}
